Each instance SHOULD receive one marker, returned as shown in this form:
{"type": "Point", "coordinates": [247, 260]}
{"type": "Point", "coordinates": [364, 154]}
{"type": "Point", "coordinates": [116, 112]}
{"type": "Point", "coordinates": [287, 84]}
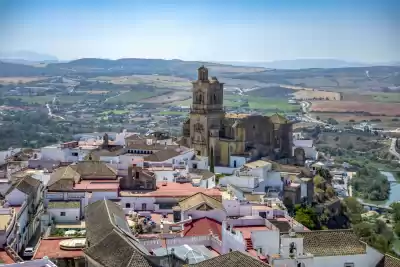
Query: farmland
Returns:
{"type": "Point", "coordinates": [156, 81]}
{"type": "Point", "coordinates": [316, 94]}
{"type": "Point", "coordinates": [20, 80]}
{"type": "Point", "coordinates": [367, 108]}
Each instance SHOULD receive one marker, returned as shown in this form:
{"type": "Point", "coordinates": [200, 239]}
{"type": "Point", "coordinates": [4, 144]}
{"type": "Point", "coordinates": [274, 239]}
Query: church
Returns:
{"type": "Point", "coordinates": [218, 135]}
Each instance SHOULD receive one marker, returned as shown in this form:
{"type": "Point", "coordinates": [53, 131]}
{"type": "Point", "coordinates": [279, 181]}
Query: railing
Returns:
{"type": "Point", "coordinates": [216, 244]}
{"type": "Point", "coordinates": [207, 240]}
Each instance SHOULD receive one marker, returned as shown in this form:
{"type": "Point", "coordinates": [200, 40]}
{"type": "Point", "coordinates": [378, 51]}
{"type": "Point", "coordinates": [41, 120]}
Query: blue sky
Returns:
{"type": "Point", "coordinates": [217, 30]}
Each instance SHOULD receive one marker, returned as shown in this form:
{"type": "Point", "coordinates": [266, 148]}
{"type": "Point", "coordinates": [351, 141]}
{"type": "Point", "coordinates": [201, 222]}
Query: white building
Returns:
{"type": "Point", "coordinates": [26, 198]}
{"type": "Point", "coordinates": [310, 151]}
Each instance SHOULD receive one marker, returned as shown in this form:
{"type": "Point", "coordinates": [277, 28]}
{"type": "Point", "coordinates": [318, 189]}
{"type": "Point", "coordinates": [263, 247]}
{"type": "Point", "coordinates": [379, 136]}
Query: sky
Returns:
{"type": "Point", "coordinates": [209, 30]}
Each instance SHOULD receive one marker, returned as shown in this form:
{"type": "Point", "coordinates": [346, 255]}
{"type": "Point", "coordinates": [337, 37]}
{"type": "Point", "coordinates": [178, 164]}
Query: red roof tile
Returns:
{"type": "Point", "coordinates": [173, 190]}
{"type": "Point", "coordinates": [202, 227]}
{"type": "Point", "coordinates": [91, 185]}
{"type": "Point", "coordinates": [4, 258]}
{"type": "Point", "coordinates": [51, 248]}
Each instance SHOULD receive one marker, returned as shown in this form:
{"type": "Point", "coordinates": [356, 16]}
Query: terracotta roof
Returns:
{"type": "Point", "coordinates": [332, 243]}
{"type": "Point", "coordinates": [171, 189]}
{"type": "Point", "coordinates": [163, 155]}
{"type": "Point", "coordinates": [4, 258]}
{"type": "Point", "coordinates": [200, 199]}
{"type": "Point", "coordinates": [232, 259]}
{"type": "Point", "coordinates": [236, 116]}
{"type": "Point", "coordinates": [51, 248]}
{"type": "Point", "coordinates": [93, 168]}
{"type": "Point", "coordinates": [63, 173]}
{"type": "Point", "coordinates": [203, 226]}
{"type": "Point", "coordinates": [389, 261]}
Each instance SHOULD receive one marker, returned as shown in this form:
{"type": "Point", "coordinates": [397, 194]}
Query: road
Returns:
{"type": "Point", "coordinates": [52, 115]}
{"type": "Point", "coordinates": [115, 96]}
{"type": "Point", "coordinates": [305, 106]}
{"type": "Point", "coordinates": [392, 149]}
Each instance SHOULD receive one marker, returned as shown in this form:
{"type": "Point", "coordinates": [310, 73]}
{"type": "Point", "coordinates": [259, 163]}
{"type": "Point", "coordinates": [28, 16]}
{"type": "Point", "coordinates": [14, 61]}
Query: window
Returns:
{"type": "Point", "coordinates": [144, 206]}
{"type": "Point", "coordinates": [127, 205]}
{"type": "Point", "coordinates": [62, 213]}
{"type": "Point", "coordinates": [74, 154]}
{"type": "Point", "coordinates": [349, 264]}
{"type": "Point", "coordinates": [194, 166]}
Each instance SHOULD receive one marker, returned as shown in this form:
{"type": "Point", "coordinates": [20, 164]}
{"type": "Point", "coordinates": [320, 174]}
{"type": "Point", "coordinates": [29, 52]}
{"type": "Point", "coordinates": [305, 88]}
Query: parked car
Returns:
{"type": "Point", "coordinates": [29, 251]}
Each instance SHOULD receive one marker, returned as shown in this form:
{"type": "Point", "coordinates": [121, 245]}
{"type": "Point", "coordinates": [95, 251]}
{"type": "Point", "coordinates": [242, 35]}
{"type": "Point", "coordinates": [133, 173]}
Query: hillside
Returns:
{"type": "Point", "coordinates": [91, 67]}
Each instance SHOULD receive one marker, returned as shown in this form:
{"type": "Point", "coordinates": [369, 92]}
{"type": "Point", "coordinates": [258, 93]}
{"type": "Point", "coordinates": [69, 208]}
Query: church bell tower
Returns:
{"type": "Point", "coordinates": [206, 113]}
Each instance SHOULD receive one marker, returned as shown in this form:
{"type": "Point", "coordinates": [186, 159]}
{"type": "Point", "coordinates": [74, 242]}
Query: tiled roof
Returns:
{"type": "Point", "coordinates": [63, 173]}
{"type": "Point", "coordinates": [205, 174]}
{"type": "Point", "coordinates": [98, 221]}
{"type": "Point", "coordinates": [203, 226]}
{"type": "Point", "coordinates": [109, 241]}
{"type": "Point", "coordinates": [332, 243]}
{"type": "Point", "coordinates": [389, 261]}
{"type": "Point", "coordinates": [93, 168]}
{"type": "Point", "coordinates": [232, 259]}
{"type": "Point", "coordinates": [115, 251]}
{"type": "Point", "coordinates": [198, 199]}
{"type": "Point", "coordinates": [163, 155]}
{"type": "Point", "coordinates": [28, 185]}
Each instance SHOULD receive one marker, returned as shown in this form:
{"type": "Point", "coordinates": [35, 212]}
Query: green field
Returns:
{"type": "Point", "coordinates": [270, 105]}
{"type": "Point", "coordinates": [387, 97]}
{"type": "Point", "coordinates": [158, 81]}
{"type": "Point", "coordinates": [42, 100]}
{"type": "Point", "coordinates": [135, 96]}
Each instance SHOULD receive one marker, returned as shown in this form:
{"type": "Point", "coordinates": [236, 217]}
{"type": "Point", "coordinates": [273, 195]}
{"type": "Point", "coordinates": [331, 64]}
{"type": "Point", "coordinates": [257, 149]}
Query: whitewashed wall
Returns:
{"type": "Point", "coordinates": [16, 198]}
{"type": "Point", "coordinates": [71, 214]}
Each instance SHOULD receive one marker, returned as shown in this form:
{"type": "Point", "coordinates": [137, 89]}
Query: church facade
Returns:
{"type": "Point", "coordinates": [212, 132]}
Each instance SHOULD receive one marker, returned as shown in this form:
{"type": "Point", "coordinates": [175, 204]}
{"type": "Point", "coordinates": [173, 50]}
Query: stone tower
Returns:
{"type": "Point", "coordinates": [206, 113]}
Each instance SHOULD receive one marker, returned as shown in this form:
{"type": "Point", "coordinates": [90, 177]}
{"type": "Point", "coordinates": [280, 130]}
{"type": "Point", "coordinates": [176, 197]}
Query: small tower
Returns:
{"type": "Point", "coordinates": [202, 74]}
{"type": "Point", "coordinates": [105, 140]}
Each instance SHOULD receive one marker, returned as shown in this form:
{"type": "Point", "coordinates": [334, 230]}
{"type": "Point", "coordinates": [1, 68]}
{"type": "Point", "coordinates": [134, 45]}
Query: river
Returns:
{"type": "Point", "coordinates": [394, 191]}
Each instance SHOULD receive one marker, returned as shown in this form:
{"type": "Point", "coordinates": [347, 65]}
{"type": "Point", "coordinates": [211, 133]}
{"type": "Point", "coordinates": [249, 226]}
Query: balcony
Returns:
{"type": "Point", "coordinates": [199, 109]}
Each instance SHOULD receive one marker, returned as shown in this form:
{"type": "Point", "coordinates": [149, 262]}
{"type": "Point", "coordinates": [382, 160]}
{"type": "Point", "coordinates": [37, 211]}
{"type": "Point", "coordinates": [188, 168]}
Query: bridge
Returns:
{"type": "Point", "coordinates": [377, 208]}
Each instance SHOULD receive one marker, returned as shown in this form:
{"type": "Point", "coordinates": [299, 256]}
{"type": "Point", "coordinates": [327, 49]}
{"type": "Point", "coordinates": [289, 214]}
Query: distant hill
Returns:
{"type": "Point", "coordinates": [308, 64]}
{"type": "Point", "coordinates": [91, 67]}
{"type": "Point", "coordinates": [26, 56]}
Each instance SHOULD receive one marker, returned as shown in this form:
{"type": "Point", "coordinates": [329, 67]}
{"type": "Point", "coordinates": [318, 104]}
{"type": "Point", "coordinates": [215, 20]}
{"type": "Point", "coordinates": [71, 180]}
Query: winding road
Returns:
{"type": "Point", "coordinates": [52, 115]}
{"type": "Point", "coordinates": [392, 149]}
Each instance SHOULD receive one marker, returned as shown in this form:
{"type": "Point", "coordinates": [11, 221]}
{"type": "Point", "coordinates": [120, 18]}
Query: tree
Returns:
{"type": "Point", "coordinates": [330, 192]}
{"type": "Point", "coordinates": [363, 229]}
{"type": "Point", "coordinates": [212, 160]}
{"type": "Point", "coordinates": [307, 217]}
{"type": "Point", "coordinates": [396, 229]}
{"type": "Point", "coordinates": [332, 121]}
{"type": "Point", "coordinates": [395, 212]}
